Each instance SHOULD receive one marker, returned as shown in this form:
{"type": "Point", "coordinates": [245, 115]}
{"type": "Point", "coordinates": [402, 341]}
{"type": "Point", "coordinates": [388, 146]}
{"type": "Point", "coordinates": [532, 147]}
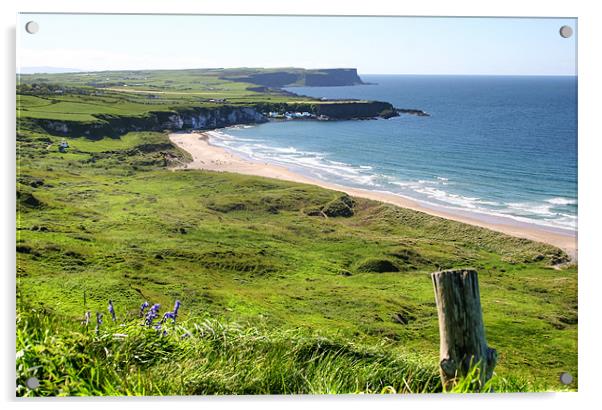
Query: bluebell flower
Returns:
{"type": "Point", "coordinates": [158, 328]}
{"type": "Point", "coordinates": [143, 308]}
{"type": "Point", "coordinates": [98, 321]}
{"type": "Point", "coordinates": [152, 314]}
{"type": "Point", "coordinates": [155, 308]}
{"type": "Point", "coordinates": [169, 315]}
{"type": "Point", "coordinates": [112, 310]}
{"type": "Point", "coordinates": [176, 308]}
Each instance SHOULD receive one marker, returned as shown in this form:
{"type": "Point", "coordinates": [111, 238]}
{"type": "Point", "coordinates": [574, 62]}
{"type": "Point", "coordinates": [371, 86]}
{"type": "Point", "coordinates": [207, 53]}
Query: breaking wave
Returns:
{"type": "Point", "coordinates": [438, 190]}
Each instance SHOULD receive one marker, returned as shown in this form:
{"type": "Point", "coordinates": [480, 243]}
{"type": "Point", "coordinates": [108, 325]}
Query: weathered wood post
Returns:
{"type": "Point", "coordinates": [461, 332]}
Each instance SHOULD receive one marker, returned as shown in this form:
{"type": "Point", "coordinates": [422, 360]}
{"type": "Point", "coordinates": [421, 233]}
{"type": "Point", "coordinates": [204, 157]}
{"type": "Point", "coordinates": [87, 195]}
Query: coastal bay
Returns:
{"type": "Point", "coordinates": [207, 156]}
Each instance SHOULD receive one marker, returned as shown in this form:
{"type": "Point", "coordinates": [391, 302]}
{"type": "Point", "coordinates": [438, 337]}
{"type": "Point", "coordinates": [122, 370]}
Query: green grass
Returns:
{"type": "Point", "coordinates": [125, 142]}
{"type": "Point", "coordinates": [255, 259]}
{"type": "Point", "coordinates": [211, 356]}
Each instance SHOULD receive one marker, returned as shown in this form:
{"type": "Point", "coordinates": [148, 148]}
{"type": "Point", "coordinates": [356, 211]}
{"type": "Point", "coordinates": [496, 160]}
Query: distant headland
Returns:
{"type": "Point", "coordinates": [295, 77]}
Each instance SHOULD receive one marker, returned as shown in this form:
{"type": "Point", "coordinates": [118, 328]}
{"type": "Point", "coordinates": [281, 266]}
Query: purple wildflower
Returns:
{"type": "Point", "coordinates": [158, 328]}
{"type": "Point", "coordinates": [176, 308]}
{"type": "Point", "coordinates": [112, 310]}
{"type": "Point", "coordinates": [152, 314]}
{"type": "Point", "coordinates": [155, 309]}
{"type": "Point", "coordinates": [143, 308]}
{"type": "Point", "coordinates": [169, 315]}
{"type": "Point", "coordinates": [98, 321]}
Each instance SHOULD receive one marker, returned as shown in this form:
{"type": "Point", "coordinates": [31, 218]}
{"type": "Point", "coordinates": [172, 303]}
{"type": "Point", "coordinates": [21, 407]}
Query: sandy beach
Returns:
{"type": "Point", "coordinates": [209, 157]}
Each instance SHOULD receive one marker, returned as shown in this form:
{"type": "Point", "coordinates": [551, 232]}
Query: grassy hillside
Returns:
{"type": "Point", "coordinates": [284, 287]}
{"type": "Point", "coordinates": [86, 103]}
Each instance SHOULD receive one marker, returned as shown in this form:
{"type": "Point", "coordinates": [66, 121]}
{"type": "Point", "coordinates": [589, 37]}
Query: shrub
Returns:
{"type": "Point", "coordinates": [379, 265]}
{"type": "Point", "coordinates": [341, 206]}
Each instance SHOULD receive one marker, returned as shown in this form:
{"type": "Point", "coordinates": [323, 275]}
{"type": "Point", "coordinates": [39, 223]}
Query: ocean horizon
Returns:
{"type": "Point", "coordinates": [502, 147]}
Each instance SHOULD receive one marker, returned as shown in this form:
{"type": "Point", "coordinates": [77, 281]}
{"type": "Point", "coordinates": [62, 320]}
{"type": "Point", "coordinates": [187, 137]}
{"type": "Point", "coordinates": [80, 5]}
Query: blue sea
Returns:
{"type": "Point", "coordinates": [495, 147]}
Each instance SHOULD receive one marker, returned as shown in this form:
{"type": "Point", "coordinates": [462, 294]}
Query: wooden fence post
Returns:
{"type": "Point", "coordinates": [461, 332]}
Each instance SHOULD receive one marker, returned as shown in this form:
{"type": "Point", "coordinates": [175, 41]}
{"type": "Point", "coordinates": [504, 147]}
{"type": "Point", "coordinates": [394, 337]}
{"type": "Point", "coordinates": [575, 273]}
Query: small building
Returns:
{"type": "Point", "coordinates": [63, 145]}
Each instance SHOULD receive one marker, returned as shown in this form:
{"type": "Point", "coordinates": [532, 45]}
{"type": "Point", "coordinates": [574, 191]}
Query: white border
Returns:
{"type": "Point", "coordinates": [590, 171]}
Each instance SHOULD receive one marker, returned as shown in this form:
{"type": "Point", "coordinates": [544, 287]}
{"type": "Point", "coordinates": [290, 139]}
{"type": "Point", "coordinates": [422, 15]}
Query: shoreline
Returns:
{"type": "Point", "coordinates": [213, 158]}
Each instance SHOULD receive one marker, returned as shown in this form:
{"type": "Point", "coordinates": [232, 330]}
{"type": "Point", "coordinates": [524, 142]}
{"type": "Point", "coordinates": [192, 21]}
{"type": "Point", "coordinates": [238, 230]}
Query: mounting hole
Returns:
{"type": "Point", "coordinates": [566, 378]}
{"type": "Point", "coordinates": [32, 27]}
{"type": "Point", "coordinates": [566, 31]}
{"type": "Point", "coordinates": [33, 383]}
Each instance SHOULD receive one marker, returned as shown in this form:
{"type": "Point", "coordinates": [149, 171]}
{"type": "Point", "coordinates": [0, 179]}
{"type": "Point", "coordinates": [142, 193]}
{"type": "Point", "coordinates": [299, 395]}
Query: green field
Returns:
{"type": "Point", "coordinates": [79, 96]}
{"type": "Point", "coordinates": [274, 298]}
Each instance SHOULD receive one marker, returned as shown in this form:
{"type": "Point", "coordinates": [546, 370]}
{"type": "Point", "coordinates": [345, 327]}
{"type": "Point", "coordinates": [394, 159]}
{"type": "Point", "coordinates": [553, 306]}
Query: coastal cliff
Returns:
{"type": "Point", "coordinates": [358, 109]}
{"type": "Point", "coordinates": [191, 118]}
{"type": "Point", "coordinates": [200, 118]}
{"type": "Point", "coordinates": [336, 110]}
{"type": "Point", "coordinates": [332, 77]}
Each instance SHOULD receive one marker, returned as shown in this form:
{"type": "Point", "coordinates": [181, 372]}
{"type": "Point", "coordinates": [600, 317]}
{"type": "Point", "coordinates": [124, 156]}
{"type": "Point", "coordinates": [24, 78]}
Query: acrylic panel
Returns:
{"type": "Point", "coordinates": [226, 205]}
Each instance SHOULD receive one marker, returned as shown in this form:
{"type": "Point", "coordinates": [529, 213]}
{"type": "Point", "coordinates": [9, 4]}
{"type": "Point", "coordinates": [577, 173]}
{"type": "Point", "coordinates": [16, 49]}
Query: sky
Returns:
{"type": "Point", "coordinates": [373, 45]}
